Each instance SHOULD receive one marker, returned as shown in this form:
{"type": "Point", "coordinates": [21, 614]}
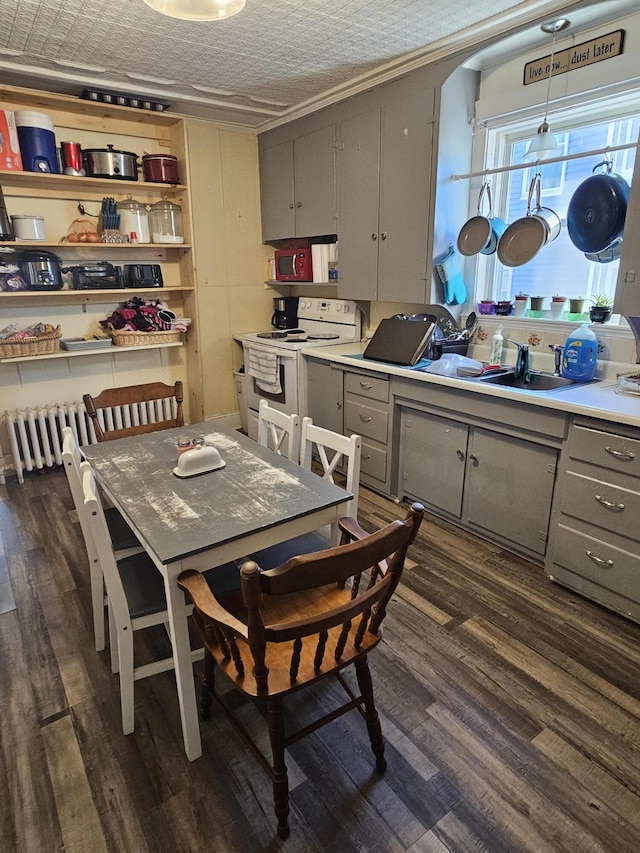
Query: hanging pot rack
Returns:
{"type": "Point", "coordinates": [598, 152]}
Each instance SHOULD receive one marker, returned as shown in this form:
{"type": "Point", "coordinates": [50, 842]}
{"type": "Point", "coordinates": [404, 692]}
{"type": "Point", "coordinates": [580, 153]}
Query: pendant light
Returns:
{"type": "Point", "coordinates": [544, 144]}
{"type": "Point", "coordinates": [198, 10]}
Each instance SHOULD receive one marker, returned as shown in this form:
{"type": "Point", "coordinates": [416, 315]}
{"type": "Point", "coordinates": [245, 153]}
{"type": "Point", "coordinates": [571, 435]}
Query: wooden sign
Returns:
{"type": "Point", "coordinates": [595, 50]}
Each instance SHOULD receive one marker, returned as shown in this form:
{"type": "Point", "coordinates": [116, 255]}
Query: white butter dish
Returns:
{"type": "Point", "coordinates": [200, 460]}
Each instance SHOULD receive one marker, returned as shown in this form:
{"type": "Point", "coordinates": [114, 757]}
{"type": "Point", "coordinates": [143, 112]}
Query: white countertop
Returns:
{"type": "Point", "coordinates": [594, 399]}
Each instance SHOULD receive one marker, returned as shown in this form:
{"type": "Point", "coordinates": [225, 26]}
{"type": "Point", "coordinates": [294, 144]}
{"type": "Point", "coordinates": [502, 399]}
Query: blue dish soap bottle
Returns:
{"type": "Point", "coordinates": [580, 354]}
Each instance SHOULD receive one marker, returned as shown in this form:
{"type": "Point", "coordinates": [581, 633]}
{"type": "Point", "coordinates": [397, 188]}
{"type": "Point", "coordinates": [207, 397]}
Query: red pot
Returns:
{"type": "Point", "coordinates": [160, 168]}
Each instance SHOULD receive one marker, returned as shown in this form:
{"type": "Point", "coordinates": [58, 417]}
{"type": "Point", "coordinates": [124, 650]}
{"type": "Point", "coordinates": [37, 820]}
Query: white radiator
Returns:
{"type": "Point", "coordinates": [35, 435]}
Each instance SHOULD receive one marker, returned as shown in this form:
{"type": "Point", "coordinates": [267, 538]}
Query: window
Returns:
{"type": "Point", "coordinates": [559, 268]}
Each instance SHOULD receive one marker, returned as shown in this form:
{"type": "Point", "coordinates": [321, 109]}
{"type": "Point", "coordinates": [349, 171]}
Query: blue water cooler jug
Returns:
{"type": "Point", "coordinates": [37, 142]}
{"type": "Point", "coordinates": [580, 355]}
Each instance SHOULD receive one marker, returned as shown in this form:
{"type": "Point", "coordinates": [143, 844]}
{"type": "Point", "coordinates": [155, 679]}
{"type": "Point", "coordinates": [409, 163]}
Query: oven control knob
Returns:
{"type": "Point", "coordinates": [346, 309]}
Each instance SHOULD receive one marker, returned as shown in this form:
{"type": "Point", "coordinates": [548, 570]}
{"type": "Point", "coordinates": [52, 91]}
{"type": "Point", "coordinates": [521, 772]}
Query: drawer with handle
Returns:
{"type": "Point", "coordinates": [373, 462]}
{"type": "Point", "coordinates": [372, 387]}
{"type": "Point", "coordinates": [602, 563]}
{"type": "Point", "coordinates": [365, 420]}
{"type": "Point", "coordinates": [606, 505]}
{"type": "Point", "coordinates": [608, 450]}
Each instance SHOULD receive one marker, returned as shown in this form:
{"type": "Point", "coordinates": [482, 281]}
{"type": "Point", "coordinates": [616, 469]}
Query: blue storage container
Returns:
{"type": "Point", "coordinates": [37, 142]}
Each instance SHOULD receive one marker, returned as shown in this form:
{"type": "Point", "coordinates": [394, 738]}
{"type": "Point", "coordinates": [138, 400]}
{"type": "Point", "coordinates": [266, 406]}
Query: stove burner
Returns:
{"type": "Point", "coordinates": [296, 335]}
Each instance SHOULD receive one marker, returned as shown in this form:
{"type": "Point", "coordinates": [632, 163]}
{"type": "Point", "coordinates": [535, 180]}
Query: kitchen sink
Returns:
{"type": "Point", "coordinates": [539, 381]}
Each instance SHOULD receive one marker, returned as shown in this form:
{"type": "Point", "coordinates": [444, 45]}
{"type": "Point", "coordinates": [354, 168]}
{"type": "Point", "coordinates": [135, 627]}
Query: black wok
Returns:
{"type": "Point", "coordinates": [597, 210]}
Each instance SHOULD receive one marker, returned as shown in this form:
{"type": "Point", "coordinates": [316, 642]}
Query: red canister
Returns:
{"type": "Point", "coordinates": [160, 168]}
{"type": "Point", "coordinates": [71, 154]}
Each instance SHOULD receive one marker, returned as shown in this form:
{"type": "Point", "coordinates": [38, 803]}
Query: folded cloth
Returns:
{"type": "Point", "coordinates": [264, 367]}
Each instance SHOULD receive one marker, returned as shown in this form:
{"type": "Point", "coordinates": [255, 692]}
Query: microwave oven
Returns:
{"type": "Point", "coordinates": [293, 265]}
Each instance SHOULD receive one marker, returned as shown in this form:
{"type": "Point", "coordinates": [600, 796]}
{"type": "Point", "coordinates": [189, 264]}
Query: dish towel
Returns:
{"type": "Point", "coordinates": [265, 369]}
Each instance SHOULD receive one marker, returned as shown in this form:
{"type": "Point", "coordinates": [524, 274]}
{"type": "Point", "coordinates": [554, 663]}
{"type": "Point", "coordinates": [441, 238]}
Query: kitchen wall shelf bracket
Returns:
{"type": "Point", "coordinates": [499, 170]}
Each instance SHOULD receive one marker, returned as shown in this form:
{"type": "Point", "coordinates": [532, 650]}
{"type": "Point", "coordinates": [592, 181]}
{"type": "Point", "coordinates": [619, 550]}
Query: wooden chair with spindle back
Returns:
{"type": "Point", "coordinates": [297, 624]}
{"type": "Point", "coordinates": [135, 409]}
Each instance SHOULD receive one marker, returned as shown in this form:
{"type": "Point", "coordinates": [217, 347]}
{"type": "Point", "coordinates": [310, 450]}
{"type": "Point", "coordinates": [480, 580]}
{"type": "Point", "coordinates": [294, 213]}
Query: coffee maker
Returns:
{"type": "Point", "coordinates": [285, 312]}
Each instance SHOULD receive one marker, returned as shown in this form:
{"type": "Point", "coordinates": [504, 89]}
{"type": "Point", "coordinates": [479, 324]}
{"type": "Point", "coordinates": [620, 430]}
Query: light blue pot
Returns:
{"type": "Point", "coordinates": [498, 227]}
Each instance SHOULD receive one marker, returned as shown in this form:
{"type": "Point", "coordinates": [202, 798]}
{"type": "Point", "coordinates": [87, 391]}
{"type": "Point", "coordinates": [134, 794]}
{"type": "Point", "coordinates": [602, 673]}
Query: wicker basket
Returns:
{"type": "Point", "coordinates": [139, 339]}
{"type": "Point", "coordinates": [42, 345]}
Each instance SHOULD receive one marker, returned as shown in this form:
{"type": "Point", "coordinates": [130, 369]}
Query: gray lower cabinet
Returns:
{"type": "Point", "coordinates": [297, 186]}
{"type": "Point", "coordinates": [496, 484]}
{"type": "Point", "coordinates": [366, 412]}
{"type": "Point", "coordinates": [349, 402]}
{"type": "Point", "coordinates": [595, 537]}
{"type": "Point", "coordinates": [384, 183]}
{"type": "Point", "coordinates": [325, 394]}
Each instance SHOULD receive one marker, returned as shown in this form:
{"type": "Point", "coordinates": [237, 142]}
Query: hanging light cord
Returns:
{"type": "Point", "coordinates": [546, 106]}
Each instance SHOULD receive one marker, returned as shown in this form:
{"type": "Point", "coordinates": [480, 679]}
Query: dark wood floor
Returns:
{"type": "Point", "coordinates": [510, 708]}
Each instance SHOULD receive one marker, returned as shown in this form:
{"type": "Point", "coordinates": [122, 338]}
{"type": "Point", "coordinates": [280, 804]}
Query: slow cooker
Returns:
{"type": "Point", "coordinates": [160, 168]}
{"type": "Point", "coordinates": [41, 270]}
{"type": "Point", "coordinates": [108, 163]}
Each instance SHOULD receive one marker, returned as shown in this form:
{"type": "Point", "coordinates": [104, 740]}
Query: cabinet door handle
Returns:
{"type": "Point", "coordinates": [298, 204]}
{"type": "Point", "coordinates": [460, 455]}
{"type": "Point", "coordinates": [620, 454]}
{"type": "Point", "coordinates": [600, 561]}
{"type": "Point", "coordinates": [290, 205]}
{"type": "Point", "coordinates": [383, 236]}
{"type": "Point", "coordinates": [366, 385]}
{"type": "Point", "coordinates": [374, 236]}
{"type": "Point", "coordinates": [474, 459]}
{"type": "Point", "coordinates": [368, 456]}
{"type": "Point", "coordinates": [365, 419]}
{"type": "Point", "coordinates": [610, 504]}
{"type": "Point", "coordinates": [339, 405]}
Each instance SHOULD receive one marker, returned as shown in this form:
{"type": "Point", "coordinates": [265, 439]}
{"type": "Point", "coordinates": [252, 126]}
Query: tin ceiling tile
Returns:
{"type": "Point", "coordinates": [286, 51]}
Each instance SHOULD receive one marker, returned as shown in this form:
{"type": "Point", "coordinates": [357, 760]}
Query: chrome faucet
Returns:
{"type": "Point", "coordinates": [523, 365]}
{"type": "Point", "coordinates": [557, 358]}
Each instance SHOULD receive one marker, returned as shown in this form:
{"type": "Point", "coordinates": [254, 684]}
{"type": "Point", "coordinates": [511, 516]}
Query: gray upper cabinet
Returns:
{"type": "Point", "coordinates": [384, 185]}
{"type": "Point", "coordinates": [297, 186]}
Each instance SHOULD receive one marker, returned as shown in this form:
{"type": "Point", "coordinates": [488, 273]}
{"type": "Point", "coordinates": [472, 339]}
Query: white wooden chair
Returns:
{"type": "Point", "coordinates": [278, 431]}
{"type": "Point", "coordinates": [135, 593]}
{"type": "Point", "coordinates": [123, 539]}
{"type": "Point", "coordinates": [331, 448]}
{"type": "Point", "coordinates": [341, 446]}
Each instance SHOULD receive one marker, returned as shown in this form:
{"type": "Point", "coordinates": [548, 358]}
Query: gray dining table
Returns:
{"type": "Point", "coordinates": [256, 500]}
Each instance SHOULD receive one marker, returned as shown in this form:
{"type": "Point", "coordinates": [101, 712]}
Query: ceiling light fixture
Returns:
{"type": "Point", "coordinates": [198, 10]}
{"type": "Point", "coordinates": [544, 144]}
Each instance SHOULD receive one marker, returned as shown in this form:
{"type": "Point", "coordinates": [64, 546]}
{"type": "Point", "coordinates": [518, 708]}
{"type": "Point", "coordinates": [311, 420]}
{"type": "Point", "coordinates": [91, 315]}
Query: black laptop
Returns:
{"type": "Point", "coordinates": [399, 341]}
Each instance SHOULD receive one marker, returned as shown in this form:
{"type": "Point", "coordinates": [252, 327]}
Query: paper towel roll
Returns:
{"type": "Point", "coordinates": [320, 262]}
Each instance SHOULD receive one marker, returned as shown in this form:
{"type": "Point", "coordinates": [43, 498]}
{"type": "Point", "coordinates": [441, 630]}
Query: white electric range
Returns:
{"type": "Point", "coordinates": [272, 361]}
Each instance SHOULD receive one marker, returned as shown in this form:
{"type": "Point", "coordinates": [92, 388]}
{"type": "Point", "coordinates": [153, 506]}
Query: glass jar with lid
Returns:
{"type": "Point", "coordinates": [134, 219]}
{"type": "Point", "coordinates": [166, 222]}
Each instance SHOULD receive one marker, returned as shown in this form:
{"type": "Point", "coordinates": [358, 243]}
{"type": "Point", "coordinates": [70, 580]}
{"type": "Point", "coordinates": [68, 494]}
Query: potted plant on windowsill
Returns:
{"type": "Point", "coordinates": [576, 307]}
{"type": "Point", "coordinates": [601, 306]}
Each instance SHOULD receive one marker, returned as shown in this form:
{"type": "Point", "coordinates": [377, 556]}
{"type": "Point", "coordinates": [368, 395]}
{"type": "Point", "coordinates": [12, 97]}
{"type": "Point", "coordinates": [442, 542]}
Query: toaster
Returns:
{"type": "Point", "coordinates": [142, 275]}
{"type": "Point", "coordinates": [100, 275]}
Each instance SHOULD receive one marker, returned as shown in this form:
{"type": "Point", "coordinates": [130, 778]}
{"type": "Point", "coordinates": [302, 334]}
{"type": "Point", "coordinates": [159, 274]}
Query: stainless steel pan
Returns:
{"type": "Point", "coordinates": [523, 239]}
